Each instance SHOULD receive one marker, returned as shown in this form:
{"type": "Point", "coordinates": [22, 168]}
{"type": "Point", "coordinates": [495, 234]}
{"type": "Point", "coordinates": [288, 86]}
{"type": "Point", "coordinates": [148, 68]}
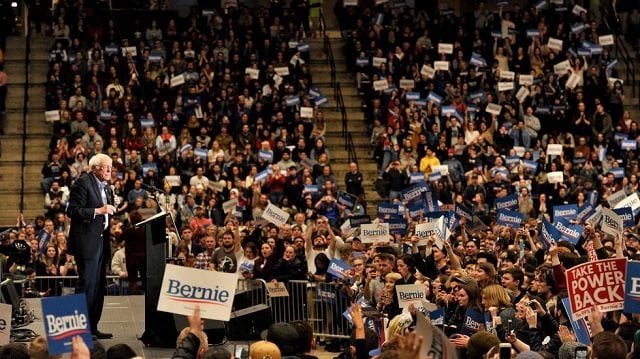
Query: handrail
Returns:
{"type": "Point", "coordinates": [25, 106]}
{"type": "Point", "coordinates": [621, 49]}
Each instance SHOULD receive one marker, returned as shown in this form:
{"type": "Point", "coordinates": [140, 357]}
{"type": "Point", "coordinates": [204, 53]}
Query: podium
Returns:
{"type": "Point", "coordinates": [159, 328]}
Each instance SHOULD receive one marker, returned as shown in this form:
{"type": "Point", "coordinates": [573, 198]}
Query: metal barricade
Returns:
{"type": "Point", "coordinates": [319, 304]}
{"type": "Point", "coordinates": [66, 285]}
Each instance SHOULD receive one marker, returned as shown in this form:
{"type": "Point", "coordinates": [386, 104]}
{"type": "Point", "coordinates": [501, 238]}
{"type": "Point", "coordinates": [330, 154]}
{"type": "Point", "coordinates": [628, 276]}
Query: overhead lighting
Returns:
{"type": "Point", "coordinates": [14, 4]}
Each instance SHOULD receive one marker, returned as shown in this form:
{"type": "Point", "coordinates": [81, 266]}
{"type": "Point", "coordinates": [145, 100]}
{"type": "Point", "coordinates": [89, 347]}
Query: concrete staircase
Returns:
{"type": "Point", "coordinates": [38, 132]}
{"type": "Point", "coordinates": [321, 72]}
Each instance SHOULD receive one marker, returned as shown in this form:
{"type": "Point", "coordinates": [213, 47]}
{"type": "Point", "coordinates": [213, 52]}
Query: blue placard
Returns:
{"type": "Point", "coordinates": [584, 52]}
{"type": "Point", "coordinates": [265, 155]}
{"type": "Point", "coordinates": [632, 288]}
{"type": "Point", "coordinates": [237, 214]}
{"type": "Point", "coordinates": [64, 318]}
{"type": "Point", "coordinates": [569, 232]}
{"type": "Point", "coordinates": [618, 136]}
{"type": "Point", "coordinates": [576, 28]}
{"type": "Point", "coordinates": [416, 177]}
{"type": "Point", "coordinates": [186, 147]}
{"type": "Point", "coordinates": [508, 218]}
{"type": "Point", "coordinates": [568, 211]}
{"type": "Point", "coordinates": [580, 327]}
{"type": "Point", "coordinates": [626, 214]}
{"type": "Point", "coordinates": [496, 34]}
{"type": "Point", "coordinates": [311, 188]}
{"type": "Point", "coordinates": [630, 145]}
{"type": "Point", "coordinates": [390, 89]}
{"type": "Point", "coordinates": [592, 198]}
{"type": "Point", "coordinates": [303, 47]}
{"type": "Point", "coordinates": [476, 95]}
{"type": "Point", "coordinates": [262, 176]}
{"type": "Point", "coordinates": [437, 316]}
{"type": "Point", "coordinates": [321, 101]}
{"type": "Point", "coordinates": [533, 32]}
{"type": "Point", "coordinates": [435, 176]}
{"type": "Point", "coordinates": [431, 201]}
{"type": "Point", "coordinates": [412, 96]}
{"type": "Point", "coordinates": [111, 49]}
{"type": "Point", "coordinates": [434, 97]}
{"type": "Point", "coordinates": [387, 210]}
{"type": "Point", "coordinates": [398, 225]}
{"type": "Point", "coordinates": [356, 221]}
{"type": "Point", "coordinates": [292, 101]}
{"type": "Point", "coordinates": [618, 172]}
{"type": "Point", "coordinates": [379, 18]}
{"type": "Point", "coordinates": [362, 61]}
{"type": "Point", "coordinates": [512, 161]}
{"type": "Point", "coordinates": [509, 202]}
{"type": "Point", "coordinates": [146, 122]}
{"type": "Point", "coordinates": [464, 212]}
{"type": "Point", "coordinates": [585, 212]}
{"type": "Point", "coordinates": [337, 268]}
{"type": "Point", "coordinates": [314, 92]}
{"type": "Point", "coordinates": [530, 165]}
{"type": "Point", "coordinates": [478, 61]}
{"type": "Point", "coordinates": [416, 209]}
{"type": "Point", "coordinates": [548, 233]}
{"type": "Point", "coordinates": [149, 166]}
{"type": "Point", "coordinates": [346, 199]}
{"type": "Point", "coordinates": [420, 102]}
{"type": "Point", "coordinates": [200, 152]}
{"type": "Point", "coordinates": [414, 191]}
{"type": "Point", "coordinates": [473, 322]}
{"type": "Point", "coordinates": [105, 115]}
{"type": "Point", "coordinates": [543, 110]}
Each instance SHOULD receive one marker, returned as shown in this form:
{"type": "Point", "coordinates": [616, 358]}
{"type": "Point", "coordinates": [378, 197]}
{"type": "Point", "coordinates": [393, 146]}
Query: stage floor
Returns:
{"type": "Point", "coordinates": [123, 316]}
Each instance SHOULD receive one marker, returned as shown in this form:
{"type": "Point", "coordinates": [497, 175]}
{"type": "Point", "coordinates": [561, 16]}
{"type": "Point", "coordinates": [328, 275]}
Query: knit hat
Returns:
{"type": "Point", "coordinates": [567, 350]}
{"type": "Point", "coordinates": [264, 350]}
{"type": "Point", "coordinates": [480, 343]}
{"type": "Point", "coordinates": [529, 355]}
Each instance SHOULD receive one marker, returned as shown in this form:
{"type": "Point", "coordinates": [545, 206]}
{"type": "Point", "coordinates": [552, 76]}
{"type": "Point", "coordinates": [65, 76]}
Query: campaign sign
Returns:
{"type": "Point", "coordinates": [616, 197]}
{"type": "Point", "coordinates": [414, 191]}
{"type": "Point", "coordinates": [388, 210]}
{"type": "Point", "coordinates": [632, 201]}
{"type": "Point", "coordinates": [275, 215]}
{"type": "Point", "coordinates": [597, 284]}
{"type": "Point", "coordinates": [464, 212]}
{"type": "Point", "coordinates": [431, 201]}
{"type": "Point", "coordinates": [618, 172]}
{"type": "Point", "coordinates": [416, 177]}
{"type": "Point", "coordinates": [347, 199]}
{"type": "Point", "coordinates": [585, 211]}
{"type": "Point", "coordinates": [548, 233]}
{"type": "Point", "coordinates": [509, 218]}
{"type": "Point", "coordinates": [337, 268]}
{"type": "Point", "coordinates": [409, 294]}
{"type": "Point", "coordinates": [581, 327]}
{"type": "Point", "coordinates": [632, 288]}
{"type": "Point", "coordinates": [424, 230]}
{"type": "Point", "coordinates": [398, 225]}
{"type": "Point", "coordinates": [611, 222]}
{"type": "Point", "coordinates": [569, 232]}
{"type": "Point", "coordinates": [183, 288]}
{"type": "Point", "coordinates": [416, 209]}
{"type": "Point", "coordinates": [568, 211]}
{"type": "Point", "coordinates": [509, 202]}
{"type": "Point", "coordinates": [374, 232]}
{"type": "Point", "coordinates": [5, 323]}
{"type": "Point", "coordinates": [626, 215]}
{"type": "Point", "coordinates": [473, 322]}
{"type": "Point", "coordinates": [277, 289]}
{"type": "Point", "coordinates": [64, 318]}
{"type": "Point", "coordinates": [630, 145]}
{"type": "Point", "coordinates": [437, 316]}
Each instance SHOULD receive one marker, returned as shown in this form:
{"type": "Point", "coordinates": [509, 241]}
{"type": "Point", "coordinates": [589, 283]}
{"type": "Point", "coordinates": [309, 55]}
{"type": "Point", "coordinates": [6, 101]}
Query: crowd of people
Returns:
{"type": "Point", "coordinates": [208, 117]}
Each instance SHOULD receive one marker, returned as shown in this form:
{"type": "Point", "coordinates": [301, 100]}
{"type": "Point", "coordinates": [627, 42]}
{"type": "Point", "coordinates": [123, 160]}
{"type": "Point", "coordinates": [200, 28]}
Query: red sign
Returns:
{"type": "Point", "coordinates": [598, 284]}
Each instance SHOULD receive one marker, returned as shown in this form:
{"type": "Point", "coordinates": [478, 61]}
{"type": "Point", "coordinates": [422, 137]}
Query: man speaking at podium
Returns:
{"type": "Point", "coordinates": [91, 206]}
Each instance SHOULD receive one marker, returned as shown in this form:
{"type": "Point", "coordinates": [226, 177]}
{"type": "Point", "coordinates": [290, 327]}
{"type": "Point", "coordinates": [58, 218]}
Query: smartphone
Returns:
{"type": "Point", "coordinates": [533, 305]}
{"type": "Point", "coordinates": [581, 353]}
{"type": "Point", "coordinates": [508, 328]}
{"type": "Point", "coordinates": [241, 351]}
{"type": "Point", "coordinates": [505, 351]}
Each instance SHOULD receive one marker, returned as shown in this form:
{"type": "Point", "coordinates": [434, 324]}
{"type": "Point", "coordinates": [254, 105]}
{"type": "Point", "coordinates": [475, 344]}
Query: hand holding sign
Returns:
{"type": "Point", "coordinates": [79, 349]}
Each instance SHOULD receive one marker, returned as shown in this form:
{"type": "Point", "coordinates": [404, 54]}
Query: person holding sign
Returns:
{"type": "Point", "coordinates": [91, 206]}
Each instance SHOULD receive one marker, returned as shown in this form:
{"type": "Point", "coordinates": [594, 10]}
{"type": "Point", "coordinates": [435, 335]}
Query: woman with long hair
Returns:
{"type": "Point", "coordinates": [496, 301]}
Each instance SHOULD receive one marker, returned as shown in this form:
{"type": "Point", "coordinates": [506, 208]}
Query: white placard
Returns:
{"type": "Point", "coordinates": [173, 181]}
{"type": "Point", "coordinates": [522, 94]}
{"type": "Point", "coordinates": [611, 222]}
{"type": "Point", "coordinates": [5, 319]}
{"type": "Point", "coordinates": [577, 10]}
{"type": "Point", "coordinates": [277, 289]}
{"type": "Point", "coordinates": [407, 84]}
{"type": "Point", "coordinates": [615, 198]}
{"type": "Point", "coordinates": [632, 201]}
{"type": "Point", "coordinates": [306, 112]}
{"type": "Point", "coordinates": [613, 80]}
{"type": "Point", "coordinates": [555, 177]}
{"type": "Point", "coordinates": [282, 71]}
{"type": "Point", "coordinates": [350, 2]}
{"type": "Point", "coordinates": [505, 86]}
{"type": "Point", "coordinates": [130, 50]}
{"type": "Point", "coordinates": [519, 150]}
{"type": "Point", "coordinates": [445, 48]}
{"type": "Point", "coordinates": [52, 116]}
{"type": "Point", "coordinates": [572, 81]}
{"type": "Point", "coordinates": [605, 40]}
{"type": "Point", "coordinates": [555, 44]}
{"type": "Point", "coordinates": [380, 85]}
{"type": "Point", "coordinates": [374, 232]}
{"type": "Point", "coordinates": [441, 65]}
{"type": "Point", "coordinates": [526, 79]}
{"type": "Point", "coordinates": [254, 74]}
{"type": "Point", "coordinates": [554, 149]}
{"type": "Point", "coordinates": [177, 80]}
{"type": "Point", "coordinates": [183, 288]}
{"type": "Point", "coordinates": [493, 109]}
{"type": "Point", "coordinates": [377, 61]}
{"type": "Point", "coordinates": [507, 75]}
{"type": "Point", "coordinates": [229, 205]}
{"type": "Point", "coordinates": [275, 215]}
{"type": "Point", "coordinates": [443, 169]}
{"type": "Point", "coordinates": [427, 71]}
{"type": "Point", "coordinates": [409, 294]}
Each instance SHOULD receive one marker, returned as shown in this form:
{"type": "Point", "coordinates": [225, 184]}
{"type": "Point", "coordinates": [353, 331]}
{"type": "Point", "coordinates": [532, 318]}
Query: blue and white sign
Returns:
{"type": "Point", "coordinates": [337, 268]}
{"type": "Point", "coordinates": [568, 212]}
{"type": "Point", "coordinates": [508, 218]}
{"type": "Point", "coordinates": [398, 225]}
{"type": "Point", "coordinates": [64, 318]}
{"type": "Point", "coordinates": [626, 215]}
{"type": "Point", "coordinates": [569, 232]}
{"type": "Point", "coordinates": [632, 288]}
{"type": "Point", "coordinates": [388, 210]}
{"type": "Point", "coordinates": [548, 234]}
{"type": "Point", "coordinates": [266, 156]}
{"type": "Point", "coordinates": [509, 202]}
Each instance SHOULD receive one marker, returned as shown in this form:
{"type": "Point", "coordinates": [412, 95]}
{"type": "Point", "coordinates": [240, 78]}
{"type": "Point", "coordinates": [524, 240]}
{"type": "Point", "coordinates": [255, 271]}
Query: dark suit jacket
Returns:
{"type": "Point", "coordinates": [87, 229]}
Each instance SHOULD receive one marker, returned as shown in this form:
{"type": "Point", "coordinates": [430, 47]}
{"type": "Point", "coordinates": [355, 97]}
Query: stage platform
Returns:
{"type": "Point", "coordinates": [123, 316]}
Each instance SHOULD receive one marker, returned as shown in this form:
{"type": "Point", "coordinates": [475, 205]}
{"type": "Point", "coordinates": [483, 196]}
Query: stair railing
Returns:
{"type": "Point", "coordinates": [25, 104]}
{"type": "Point", "coordinates": [610, 21]}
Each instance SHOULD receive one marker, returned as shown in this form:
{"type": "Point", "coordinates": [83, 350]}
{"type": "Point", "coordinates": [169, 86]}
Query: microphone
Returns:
{"type": "Point", "coordinates": [152, 189]}
{"type": "Point", "coordinates": [109, 190]}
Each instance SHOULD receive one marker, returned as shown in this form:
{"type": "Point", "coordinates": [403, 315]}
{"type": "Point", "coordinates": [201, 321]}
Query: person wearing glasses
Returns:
{"type": "Point", "coordinates": [91, 207]}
